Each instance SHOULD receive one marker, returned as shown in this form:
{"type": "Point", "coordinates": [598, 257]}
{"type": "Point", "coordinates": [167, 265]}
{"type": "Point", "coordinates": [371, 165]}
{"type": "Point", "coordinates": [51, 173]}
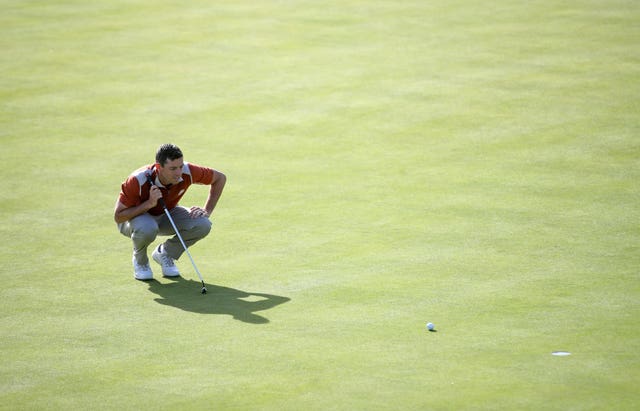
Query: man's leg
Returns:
{"type": "Point", "coordinates": [142, 230]}
{"type": "Point", "coordinates": [191, 230]}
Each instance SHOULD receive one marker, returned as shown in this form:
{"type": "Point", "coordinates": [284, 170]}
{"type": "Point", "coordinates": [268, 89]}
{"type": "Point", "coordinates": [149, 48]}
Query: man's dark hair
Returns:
{"type": "Point", "coordinates": [167, 152]}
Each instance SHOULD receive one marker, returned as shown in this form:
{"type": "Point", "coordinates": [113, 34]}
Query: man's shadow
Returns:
{"type": "Point", "coordinates": [185, 295]}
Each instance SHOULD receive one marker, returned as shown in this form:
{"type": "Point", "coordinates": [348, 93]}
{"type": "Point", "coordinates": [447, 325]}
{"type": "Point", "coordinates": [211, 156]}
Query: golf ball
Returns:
{"type": "Point", "coordinates": [430, 326]}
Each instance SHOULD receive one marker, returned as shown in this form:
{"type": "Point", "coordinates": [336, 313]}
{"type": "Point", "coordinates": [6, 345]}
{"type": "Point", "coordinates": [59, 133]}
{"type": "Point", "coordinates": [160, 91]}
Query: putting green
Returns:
{"type": "Point", "coordinates": [389, 164]}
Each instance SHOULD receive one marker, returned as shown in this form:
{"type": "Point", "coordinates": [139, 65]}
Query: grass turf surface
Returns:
{"type": "Point", "coordinates": [389, 164]}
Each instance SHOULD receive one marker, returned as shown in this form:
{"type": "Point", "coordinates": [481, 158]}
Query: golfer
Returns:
{"type": "Point", "coordinates": [140, 216]}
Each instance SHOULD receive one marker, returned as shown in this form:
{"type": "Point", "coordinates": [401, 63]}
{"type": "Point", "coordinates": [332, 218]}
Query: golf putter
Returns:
{"type": "Point", "coordinates": [173, 224]}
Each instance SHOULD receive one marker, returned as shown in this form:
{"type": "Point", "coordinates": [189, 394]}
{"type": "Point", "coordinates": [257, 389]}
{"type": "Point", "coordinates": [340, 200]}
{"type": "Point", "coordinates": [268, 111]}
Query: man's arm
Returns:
{"type": "Point", "coordinates": [219, 180]}
{"type": "Point", "coordinates": [123, 213]}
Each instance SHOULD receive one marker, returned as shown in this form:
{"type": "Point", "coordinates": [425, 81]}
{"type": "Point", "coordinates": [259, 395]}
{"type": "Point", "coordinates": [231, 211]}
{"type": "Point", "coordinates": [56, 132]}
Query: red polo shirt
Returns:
{"type": "Point", "coordinates": [135, 189]}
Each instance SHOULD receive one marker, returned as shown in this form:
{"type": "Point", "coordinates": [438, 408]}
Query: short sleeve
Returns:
{"type": "Point", "coordinates": [130, 192]}
{"type": "Point", "coordinates": [201, 175]}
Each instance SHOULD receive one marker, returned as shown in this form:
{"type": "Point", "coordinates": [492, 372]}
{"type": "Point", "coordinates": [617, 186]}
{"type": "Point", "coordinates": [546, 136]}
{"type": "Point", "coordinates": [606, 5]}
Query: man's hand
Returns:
{"type": "Point", "coordinates": [197, 212]}
{"type": "Point", "coordinates": [123, 213]}
{"type": "Point", "coordinates": [154, 195]}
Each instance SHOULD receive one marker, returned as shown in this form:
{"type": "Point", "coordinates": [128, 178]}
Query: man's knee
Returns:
{"type": "Point", "coordinates": [202, 227]}
{"type": "Point", "coordinates": [144, 229]}
{"type": "Point", "coordinates": [145, 234]}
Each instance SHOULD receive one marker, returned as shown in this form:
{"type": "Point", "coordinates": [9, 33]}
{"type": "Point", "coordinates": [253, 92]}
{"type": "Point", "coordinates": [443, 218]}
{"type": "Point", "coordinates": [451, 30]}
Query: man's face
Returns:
{"type": "Point", "coordinates": [171, 172]}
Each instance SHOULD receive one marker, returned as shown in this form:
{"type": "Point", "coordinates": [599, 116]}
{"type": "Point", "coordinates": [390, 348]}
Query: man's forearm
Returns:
{"type": "Point", "coordinates": [215, 192]}
{"type": "Point", "coordinates": [125, 214]}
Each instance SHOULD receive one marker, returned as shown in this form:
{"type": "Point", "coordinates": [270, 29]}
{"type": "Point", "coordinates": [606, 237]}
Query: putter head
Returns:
{"type": "Point", "coordinates": [204, 290]}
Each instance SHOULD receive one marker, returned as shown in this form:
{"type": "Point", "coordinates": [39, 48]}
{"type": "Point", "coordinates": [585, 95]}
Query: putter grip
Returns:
{"type": "Point", "coordinates": [160, 200]}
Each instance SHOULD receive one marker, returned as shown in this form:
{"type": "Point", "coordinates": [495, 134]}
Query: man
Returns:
{"type": "Point", "coordinates": [140, 216]}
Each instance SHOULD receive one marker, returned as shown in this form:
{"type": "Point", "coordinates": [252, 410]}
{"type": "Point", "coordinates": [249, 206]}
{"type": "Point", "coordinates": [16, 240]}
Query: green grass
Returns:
{"type": "Point", "coordinates": [389, 164]}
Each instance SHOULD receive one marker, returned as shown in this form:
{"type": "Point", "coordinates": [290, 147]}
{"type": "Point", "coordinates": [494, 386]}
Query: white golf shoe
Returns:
{"type": "Point", "coordinates": [142, 271]}
{"type": "Point", "coordinates": [169, 268]}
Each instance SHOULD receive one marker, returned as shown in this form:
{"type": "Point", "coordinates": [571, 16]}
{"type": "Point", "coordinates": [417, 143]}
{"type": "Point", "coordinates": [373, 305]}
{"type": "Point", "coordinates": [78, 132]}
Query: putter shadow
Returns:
{"type": "Point", "coordinates": [241, 305]}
